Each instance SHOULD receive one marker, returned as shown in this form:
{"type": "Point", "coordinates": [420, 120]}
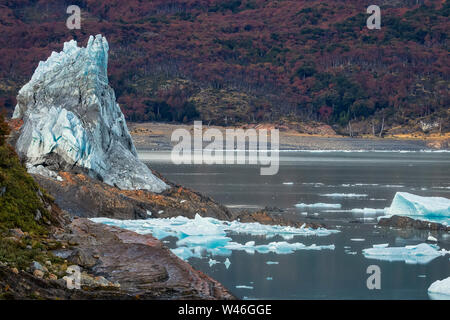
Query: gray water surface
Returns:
{"type": "Point", "coordinates": [325, 274]}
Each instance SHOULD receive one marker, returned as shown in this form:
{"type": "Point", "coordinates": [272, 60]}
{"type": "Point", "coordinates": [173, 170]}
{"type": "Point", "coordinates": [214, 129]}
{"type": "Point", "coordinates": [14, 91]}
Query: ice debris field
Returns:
{"type": "Point", "coordinates": [436, 209]}
{"type": "Point", "coordinates": [422, 253]}
{"type": "Point", "coordinates": [208, 235]}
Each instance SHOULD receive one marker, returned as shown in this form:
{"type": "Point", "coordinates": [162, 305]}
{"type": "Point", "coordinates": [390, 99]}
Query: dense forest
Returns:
{"type": "Point", "coordinates": [245, 61]}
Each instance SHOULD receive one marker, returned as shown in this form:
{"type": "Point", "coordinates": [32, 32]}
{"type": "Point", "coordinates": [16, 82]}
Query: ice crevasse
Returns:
{"type": "Point", "coordinates": [72, 120]}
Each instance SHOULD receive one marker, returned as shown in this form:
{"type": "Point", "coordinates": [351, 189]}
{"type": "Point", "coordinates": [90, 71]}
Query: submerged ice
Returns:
{"type": "Point", "coordinates": [422, 253]}
{"type": "Point", "coordinates": [201, 234]}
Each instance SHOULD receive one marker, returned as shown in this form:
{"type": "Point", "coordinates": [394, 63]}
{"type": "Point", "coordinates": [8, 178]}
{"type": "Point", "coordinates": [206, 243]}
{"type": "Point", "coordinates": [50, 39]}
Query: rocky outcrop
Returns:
{"type": "Point", "coordinates": [72, 121]}
{"type": "Point", "coordinates": [114, 264]}
{"type": "Point", "coordinates": [83, 196]}
{"type": "Point", "coordinates": [404, 222]}
{"type": "Point", "coordinates": [141, 264]}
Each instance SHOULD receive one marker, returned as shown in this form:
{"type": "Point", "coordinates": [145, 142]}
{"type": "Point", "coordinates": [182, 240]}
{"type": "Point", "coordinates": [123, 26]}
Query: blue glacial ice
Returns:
{"type": "Point", "coordinates": [199, 235]}
{"type": "Point", "coordinates": [422, 253]}
{"type": "Point", "coordinates": [440, 290]}
{"type": "Point", "coordinates": [429, 208]}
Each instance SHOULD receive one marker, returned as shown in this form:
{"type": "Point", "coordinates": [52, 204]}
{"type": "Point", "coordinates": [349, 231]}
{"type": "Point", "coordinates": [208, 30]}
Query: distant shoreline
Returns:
{"type": "Point", "coordinates": [156, 136]}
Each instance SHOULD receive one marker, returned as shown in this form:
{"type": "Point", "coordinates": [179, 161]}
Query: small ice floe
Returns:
{"type": "Point", "coordinates": [417, 254]}
{"type": "Point", "coordinates": [358, 239]}
{"type": "Point", "coordinates": [432, 239]}
{"type": "Point", "coordinates": [244, 287]}
{"type": "Point", "coordinates": [368, 211]}
{"type": "Point", "coordinates": [344, 195]}
{"type": "Point", "coordinates": [440, 290]}
{"type": "Point", "coordinates": [304, 213]}
{"type": "Point", "coordinates": [269, 278]}
{"type": "Point", "coordinates": [347, 247]}
{"type": "Point", "coordinates": [351, 252]}
{"type": "Point", "coordinates": [227, 263]}
{"type": "Point", "coordinates": [208, 235]}
{"type": "Point", "coordinates": [422, 276]}
{"type": "Point", "coordinates": [382, 245]}
{"type": "Point", "coordinates": [212, 262]}
{"type": "Point", "coordinates": [149, 213]}
{"type": "Point", "coordinates": [282, 247]}
{"type": "Point", "coordinates": [272, 262]}
{"type": "Point", "coordinates": [160, 211]}
{"type": "Point", "coordinates": [319, 205]}
{"type": "Point", "coordinates": [288, 183]}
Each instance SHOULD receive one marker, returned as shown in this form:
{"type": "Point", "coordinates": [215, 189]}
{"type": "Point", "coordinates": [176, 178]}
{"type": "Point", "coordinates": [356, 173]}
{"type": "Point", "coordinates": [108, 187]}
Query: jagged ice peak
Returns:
{"type": "Point", "coordinates": [72, 120]}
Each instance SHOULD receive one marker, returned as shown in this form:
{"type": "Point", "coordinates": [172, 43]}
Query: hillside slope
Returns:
{"type": "Point", "coordinates": [238, 61]}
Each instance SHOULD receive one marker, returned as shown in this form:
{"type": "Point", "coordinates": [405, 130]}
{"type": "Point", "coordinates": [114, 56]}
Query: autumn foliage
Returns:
{"type": "Point", "coordinates": [305, 60]}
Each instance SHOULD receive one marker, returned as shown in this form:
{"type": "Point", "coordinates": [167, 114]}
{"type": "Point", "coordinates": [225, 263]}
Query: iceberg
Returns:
{"type": "Point", "coordinates": [440, 290]}
{"type": "Point", "coordinates": [72, 121]}
{"type": "Point", "coordinates": [407, 204]}
{"type": "Point", "coordinates": [416, 254]}
{"type": "Point", "coordinates": [208, 235]}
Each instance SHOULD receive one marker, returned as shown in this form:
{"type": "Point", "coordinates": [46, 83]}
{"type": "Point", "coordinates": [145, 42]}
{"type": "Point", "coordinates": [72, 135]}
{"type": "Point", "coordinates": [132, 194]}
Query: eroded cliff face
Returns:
{"type": "Point", "coordinates": [73, 123]}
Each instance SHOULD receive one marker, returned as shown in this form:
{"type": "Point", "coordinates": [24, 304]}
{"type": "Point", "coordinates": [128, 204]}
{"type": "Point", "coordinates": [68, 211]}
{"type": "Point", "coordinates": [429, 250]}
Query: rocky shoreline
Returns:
{"type": "Point", "coordinates": [156, 136]}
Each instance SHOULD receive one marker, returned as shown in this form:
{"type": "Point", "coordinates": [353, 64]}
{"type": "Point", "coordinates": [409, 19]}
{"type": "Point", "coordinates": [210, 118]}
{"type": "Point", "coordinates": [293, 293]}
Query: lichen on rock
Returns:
{"type": "Point", "coordinates": [73, 122]}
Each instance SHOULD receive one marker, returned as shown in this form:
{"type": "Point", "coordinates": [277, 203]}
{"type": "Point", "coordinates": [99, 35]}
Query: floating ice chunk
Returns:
{"type": "Point", "coordinates": [282, 247]}
{"type": "Point", "coordinates": [358, 239]}
{"type": "Point", "coordinates": [431, 238]}
{"type": "Point", "coordinates": [160, 211]}
{"type": "Point", "coordinates": [319, 205]}
{"type": "Point", "coordinates": [344, 195]}
{"type": "Point", "coordinates": [269, 278]}
{"type": "Point", "coordinates": [149, 213]}
{"type": "Point", "coordinates": [212, 262]}
{"type": "Point", "coordinates": [288, 183]}
{"type": "Point", "coordinates": [204, 241]}
{"type": "Point", "coordinates": [244, 287]}
{"type": "Point", "coordinates": [440, 290]}
{"type": "Point", "coordinates": [227, 263]}
{"type": "Point", "coordinates": [408, 204]}
{"type": "Point", "coordinates": [304, 213]}
{"type": "Point", "coordinates": [186, 253]}
{"type": "Point", "coordinates": [417, 254]}
{"type": "Point", "coordinates": [368, 211]}
{"type": "Point", "coordinates": [351, 252]}
{"type": "Point", "coordinates": [199, 235]}
{"type": "Point", "coordinates": [382, 245]}
{"type": "Point", "coordinates": [422, 276]}
{"type": "Point", "coordinates": [272, 262]}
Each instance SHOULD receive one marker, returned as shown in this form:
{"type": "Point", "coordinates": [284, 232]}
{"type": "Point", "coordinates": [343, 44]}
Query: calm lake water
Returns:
{"type": "Point", "coordinates": [355, 180]}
